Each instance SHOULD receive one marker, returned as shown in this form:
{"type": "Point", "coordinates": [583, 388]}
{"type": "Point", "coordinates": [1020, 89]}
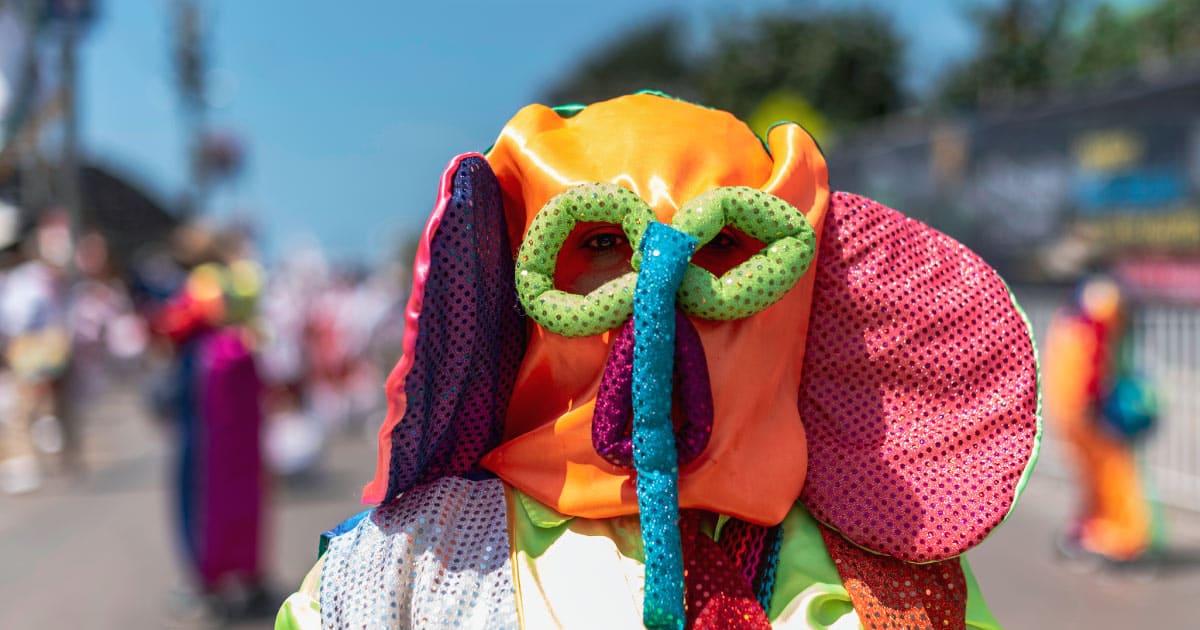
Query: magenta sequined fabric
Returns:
{"type": "Point", "coordinates": [919, 391]}
{"type": "Point", "coordinates": [754, 550]}
{"type": "Point", "coordinates": [613, 415]}
{"type": "Point", "coordinates": [470, 340]}
{"type": "Point", "coordinates": [719, 595]}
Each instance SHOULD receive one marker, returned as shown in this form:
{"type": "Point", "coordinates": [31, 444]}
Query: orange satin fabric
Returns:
{"type": "Point", "coordinates": [1114, 517]}
{"type": "Point", "coordinates": [668, 152]}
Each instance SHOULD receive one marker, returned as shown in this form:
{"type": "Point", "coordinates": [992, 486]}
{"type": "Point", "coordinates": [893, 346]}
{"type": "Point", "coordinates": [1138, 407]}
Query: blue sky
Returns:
{"type": "Point", "coordinates": [349, 110]}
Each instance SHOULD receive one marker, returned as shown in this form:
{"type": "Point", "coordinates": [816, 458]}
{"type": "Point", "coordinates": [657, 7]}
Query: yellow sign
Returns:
{"type": "Point", "coordinates": [1179, 229]}
{"type": "Point", "coordinates": [1108, 150]}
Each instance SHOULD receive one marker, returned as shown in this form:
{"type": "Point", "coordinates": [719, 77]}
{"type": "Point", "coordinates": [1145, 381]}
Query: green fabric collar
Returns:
{"type": "Point", "coordinates": [540, 515]}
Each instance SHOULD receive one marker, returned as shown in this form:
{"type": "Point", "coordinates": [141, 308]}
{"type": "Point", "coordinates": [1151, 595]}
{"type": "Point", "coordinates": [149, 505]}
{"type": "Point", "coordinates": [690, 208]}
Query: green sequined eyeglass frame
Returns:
{"type": "Point", "coordinates": [747, 288]}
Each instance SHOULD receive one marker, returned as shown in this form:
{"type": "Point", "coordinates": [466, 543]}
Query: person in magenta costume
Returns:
{"type": "Point", "coordinates": [215, 402]}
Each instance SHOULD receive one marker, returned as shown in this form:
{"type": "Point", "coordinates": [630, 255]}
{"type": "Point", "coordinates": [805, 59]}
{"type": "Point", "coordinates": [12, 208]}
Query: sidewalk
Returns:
{"type": "Point", "coordinates": [99, 553]}
{"type": "Point", "coordinates": [1027, 587]}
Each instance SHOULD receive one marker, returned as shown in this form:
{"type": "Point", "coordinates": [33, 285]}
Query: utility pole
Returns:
{"type": "Point", "coordinates": [191, 66]}
{"type": "Point", "coordinates": [71, 198]}
{"type": "Point", "coordinates": [214, 157]}
{"type": "Point", "coordinates": [70, 17]}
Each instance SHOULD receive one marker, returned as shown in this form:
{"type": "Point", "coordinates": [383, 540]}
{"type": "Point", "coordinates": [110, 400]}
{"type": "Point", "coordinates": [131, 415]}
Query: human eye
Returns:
{"type": "Point", "coordinates": [728, 249]}
{"type": "Point", "coordinates": [603, 241]}
{"type": "Point", "coordinates": [592, 255]}
{"type": "Point", "coordinates": [724, 240]}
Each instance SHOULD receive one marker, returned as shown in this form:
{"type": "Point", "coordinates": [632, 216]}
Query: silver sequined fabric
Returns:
{"type": "Point", "coordinates": [437, 557]}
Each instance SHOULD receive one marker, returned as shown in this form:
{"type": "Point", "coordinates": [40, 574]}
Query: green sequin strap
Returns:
{"type": "Point", "coordinates": [571, 314]}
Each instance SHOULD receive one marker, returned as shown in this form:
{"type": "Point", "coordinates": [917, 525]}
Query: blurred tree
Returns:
{"type": "Point", "coordinates": [844, 67]}
{"type": "Point", "coordinates": [1022, 48]}
{"type": "Point", "coordinates": [1107, 43]}
{"type": "Point", "coordinates": [1152, 36]}
{"type": "Point", "coordinates": [846, 64]}
{"type": "Point", "coordinates": [651, 56]}
{"type": "Point", "coordinates": [1030, 46]}
{"type": "Point", "coordinates": [1170, 28]}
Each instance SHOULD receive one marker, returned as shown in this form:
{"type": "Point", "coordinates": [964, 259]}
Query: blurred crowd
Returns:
{"type": "Point", "coordinates": [76, 322]}
{"type": "Point", "coordinates": [65, 319]}
{"type": "Point", "coordinates": [250, 373]}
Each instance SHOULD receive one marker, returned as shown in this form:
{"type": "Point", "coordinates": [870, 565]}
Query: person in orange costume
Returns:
{"type": "Point", "coordinates": [852, 396]}
{"type": "Point", "coordinates": [1082, 347]}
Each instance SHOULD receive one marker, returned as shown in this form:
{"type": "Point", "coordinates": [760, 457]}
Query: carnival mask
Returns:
{"type": "Point", "coordinates": [643, 279]}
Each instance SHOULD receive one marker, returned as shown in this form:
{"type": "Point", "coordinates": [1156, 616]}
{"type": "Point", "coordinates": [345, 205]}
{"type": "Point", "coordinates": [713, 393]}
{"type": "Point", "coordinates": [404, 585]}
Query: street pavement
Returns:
{"type": "Point", "coordinates": [98, 552]}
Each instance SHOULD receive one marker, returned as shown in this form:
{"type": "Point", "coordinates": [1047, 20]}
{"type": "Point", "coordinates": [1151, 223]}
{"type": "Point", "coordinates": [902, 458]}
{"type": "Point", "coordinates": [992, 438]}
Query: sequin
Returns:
{"type": "Point", "coordinates": [762, 279]}
{"type": "Point", "coordinates": [891, 593]}
{"type": "Point", "coordinates": [744, 290]}
{"type": "Point", "coordinates": [919, 390]}
{"type": "Point", "coordinates": [755, 550]}
{"type": "Point", "coordinates": [614, 401]}
{"type": "Point", "coordinates": [436, 557]}
{"type": "Point", "coordinates": [471, 337]}
{"type": "Point", "coordinates": [665, 257]}
{"type": "Point", "coordinates": [570, 314]}
{"type": "Point", "coordinates": [719, 595]}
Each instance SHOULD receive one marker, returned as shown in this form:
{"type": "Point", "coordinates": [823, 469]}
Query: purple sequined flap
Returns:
{"type": "Point", "coordinates": [471, 337]}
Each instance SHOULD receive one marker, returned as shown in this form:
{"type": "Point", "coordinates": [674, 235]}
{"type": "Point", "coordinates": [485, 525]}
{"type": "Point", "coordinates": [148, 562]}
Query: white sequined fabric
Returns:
{"type": "Point", "coordinates": [437, 557]}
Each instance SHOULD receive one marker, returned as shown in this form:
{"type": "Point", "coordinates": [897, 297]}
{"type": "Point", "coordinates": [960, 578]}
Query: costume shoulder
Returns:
{"type": "Point", "coordinates": [448, 538]}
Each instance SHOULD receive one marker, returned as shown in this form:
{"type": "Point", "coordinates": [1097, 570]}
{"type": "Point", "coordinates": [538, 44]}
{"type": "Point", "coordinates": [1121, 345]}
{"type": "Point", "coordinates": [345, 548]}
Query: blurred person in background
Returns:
{"type": "Point", "coordinates": [105, 329]}
{"type": "Point", "coordinates": [217, 411]}
{"type": "Point", "coordinates": [37, 350]}
{"type": "Point", "coordinates": [295, 435]}
{"type": "Point", "coordinates": [389, 281]}
{"type": "Point", "coordinates": [341, 321]}
{"type": "Point", "coordinates": [1101, 408]}
{"type": "Point", "coordinates": [154, 277]}
{"type": "Point", "coordinates": [322, 332]}
{"type": "Point", "coordinates": [107, 336]}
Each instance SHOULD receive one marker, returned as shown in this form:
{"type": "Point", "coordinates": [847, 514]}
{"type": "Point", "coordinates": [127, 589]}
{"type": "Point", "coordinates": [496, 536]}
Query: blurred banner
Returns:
{"type": "Point", "coordinates": [1047, 191]}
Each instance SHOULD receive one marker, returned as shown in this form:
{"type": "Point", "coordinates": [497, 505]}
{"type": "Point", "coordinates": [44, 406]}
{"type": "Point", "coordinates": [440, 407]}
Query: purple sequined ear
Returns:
{"type": "Point", "coordinates": [614, 401]}
{"type": "Point", "coordinates": [470, 339]}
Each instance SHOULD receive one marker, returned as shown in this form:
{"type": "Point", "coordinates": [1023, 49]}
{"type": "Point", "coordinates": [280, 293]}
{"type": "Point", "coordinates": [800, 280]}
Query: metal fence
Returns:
{"type": "Point", "coordinates": [1167, 350]}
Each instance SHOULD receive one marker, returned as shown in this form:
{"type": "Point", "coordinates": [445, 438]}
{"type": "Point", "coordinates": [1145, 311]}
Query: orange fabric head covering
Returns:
{"type": "Point", "coordinates": [912, 423]}
{"type": "Point", "coordinates": [668, 152]}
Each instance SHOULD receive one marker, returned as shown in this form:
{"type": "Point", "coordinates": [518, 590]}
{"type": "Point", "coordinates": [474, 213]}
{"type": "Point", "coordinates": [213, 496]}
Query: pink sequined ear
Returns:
{"type": "Point", "coordinates": [919, 392]}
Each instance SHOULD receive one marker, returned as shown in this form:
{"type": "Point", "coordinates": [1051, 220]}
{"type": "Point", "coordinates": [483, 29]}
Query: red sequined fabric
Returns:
{"type": "Point", "coordinates": [919, 388]}
{"type": "Point", "coordinates": [755, 551]}
{"type": "Point", "coordinates": [892, 594]}
{"type": "Point", "coordinates": [718, 595]}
